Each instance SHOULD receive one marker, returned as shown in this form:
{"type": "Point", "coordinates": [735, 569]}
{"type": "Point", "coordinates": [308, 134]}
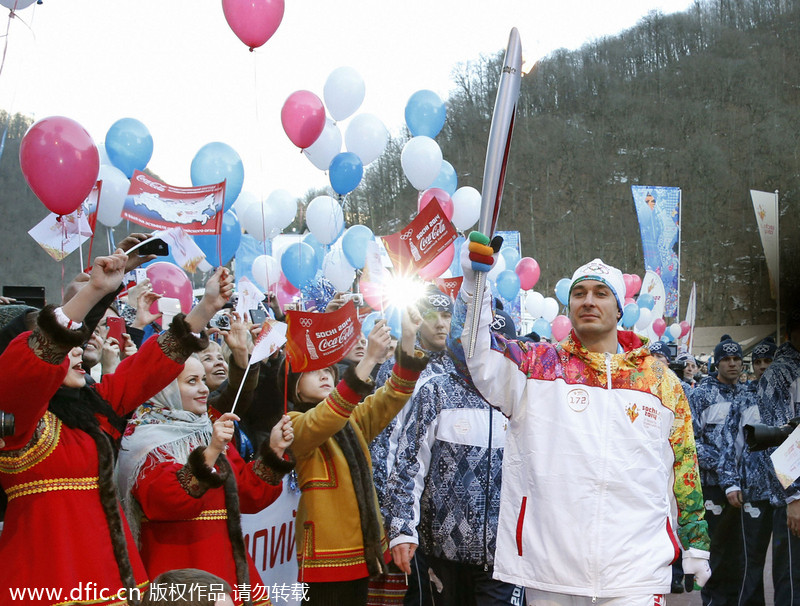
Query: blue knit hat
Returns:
{"type": "Point", "coordinates": [765, 349]}
{"type": "Point", "coordinates": [727, 347]}
{"type": "Point", "coordinates": [659, 347]}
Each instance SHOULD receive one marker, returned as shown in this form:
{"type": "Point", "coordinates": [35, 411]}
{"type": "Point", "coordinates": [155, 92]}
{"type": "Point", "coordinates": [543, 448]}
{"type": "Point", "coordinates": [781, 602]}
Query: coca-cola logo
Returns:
{"type": "Point", "coordinates": [432, 237]}
{"type": "Point", "coordinates": [154, 184]}
{"type": "Point", "coordinates": [327, 345]}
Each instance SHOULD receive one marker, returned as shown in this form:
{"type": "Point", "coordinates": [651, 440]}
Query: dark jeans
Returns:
{"type": "Point", "coordinates": [756, 532]}
{"type": "Point", "coordinates": [419, 582]}
{"type": "Point", "coordinates": [338, 593]}
{"type": "Point", "coordinates": [725, 530]}
{"type": "Point", "coordinates": [785, 561]}
{"type": "Point", "coordinates": [471, 585]}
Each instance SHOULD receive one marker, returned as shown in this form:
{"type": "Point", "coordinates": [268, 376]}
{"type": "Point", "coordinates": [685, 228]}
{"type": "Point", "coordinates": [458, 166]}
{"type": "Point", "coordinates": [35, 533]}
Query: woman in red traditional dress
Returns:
{"type": "Point", "coordinates": [64, 533]}
{"type": "Point", "coordinates": [184, 488]}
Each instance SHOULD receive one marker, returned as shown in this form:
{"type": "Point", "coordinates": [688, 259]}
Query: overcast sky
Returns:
{"type": "Point", "coordinates": [176, 66]}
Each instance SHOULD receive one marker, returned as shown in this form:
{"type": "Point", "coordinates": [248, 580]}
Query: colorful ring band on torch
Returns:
{"type": "Point", "coordinates": [480, 249]}
{"type": "Point", "coordinates": [476, 236]}
{"type": "Point", "coordinates": [481, 259]}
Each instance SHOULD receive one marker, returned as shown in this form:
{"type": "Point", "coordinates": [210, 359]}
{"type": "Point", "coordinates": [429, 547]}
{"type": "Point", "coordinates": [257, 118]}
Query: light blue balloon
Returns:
{"type": "Point", "coordinates": [542, 328]}
{"type": "Point", "coordinates": [562, 290]}
{"type": "Point", "coordinates": [299, 264]}
{"type": "Point", "coordinates": [319, 249]}
{"type": "Point", "coordinates": [425, 114]}
{"type": "Point", "coordinates": [645, 300]}
{"type": "Point", "coordinates": [394, 319]}
{"type": "Point", "coordinates": [129, 145]}
{"type": "Point", "coordinates": [507, 283]}
{"type": "Point", "coordinates": [231, 235]}
{"type": "Point", "coordinates": [354, 245]}
{"type": "Point", "coordinates": [217, 162]}
{"type": "Point", "coordinates": [368, 323]}
{"type": "Point", "coordinates": [511, 256]}
{"type": "Point", "coordinates": [447, 179]}
{"type": "Point", "coordinates": [455, 266]}
{"type": "Point", "coordinates": [345, 172]}
{"type": "Point", "coordinates": [630, 315]}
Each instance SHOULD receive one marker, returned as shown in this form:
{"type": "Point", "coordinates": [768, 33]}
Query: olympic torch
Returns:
{"type": "Point", "coordinates": [494, 171]}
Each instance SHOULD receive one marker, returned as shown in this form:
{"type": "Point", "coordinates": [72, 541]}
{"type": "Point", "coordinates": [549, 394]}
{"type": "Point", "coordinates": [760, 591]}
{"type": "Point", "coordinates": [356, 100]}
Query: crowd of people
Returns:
{"type": "Point", "coordinates": [604, 468]}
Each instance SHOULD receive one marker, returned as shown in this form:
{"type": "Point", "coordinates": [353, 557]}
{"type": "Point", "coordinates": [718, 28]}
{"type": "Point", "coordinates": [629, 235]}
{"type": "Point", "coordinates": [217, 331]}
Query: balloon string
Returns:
{"type": "Point", "coordinates": [260, 164]}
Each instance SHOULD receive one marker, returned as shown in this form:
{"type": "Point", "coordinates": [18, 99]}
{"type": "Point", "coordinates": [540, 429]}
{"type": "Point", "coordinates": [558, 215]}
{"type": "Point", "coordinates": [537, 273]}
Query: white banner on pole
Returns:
{"type": "Point", "coordinates": [765, 205]}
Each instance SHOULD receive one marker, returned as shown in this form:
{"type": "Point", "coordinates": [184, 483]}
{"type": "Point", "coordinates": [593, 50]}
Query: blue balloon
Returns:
{"type": "Point", "coordinates": [542, 328]}
{"type": "Point", "coordinates": [299, 264]}
{"type": "Point", "coordinates": [455, 266]}
{"type": "Point", "coordinates": [562, 290]}
{"type": "Point", "coordinates": [129, 145]}
{"type": "Point", "coordinates": [630, 315]}
{"type": "Point", "coordinates": [646, 301]}
{"type": "Point", "coordinates": [447, 179]}
{"type": "Point", "coordinates": [319, 249]}
{"type": "Point", "coordinates": [354, 245]}
{"type": "Point", "coordinates": [217, 162]}
{"type": "Point", "coordinates": [368, 323]}
{"type": "Point", "coordinates": [425, 113]}
{"type": "Point", "coordinates": [511, 256]}
{"type": "Point", "coordinates": [231, 236]}
{"type": "Point", "coordinates": [345, 172]}
{"type": "Point", "coordinates": [394, 320]}
{"type": "Point", "coordinates": [507, 283]}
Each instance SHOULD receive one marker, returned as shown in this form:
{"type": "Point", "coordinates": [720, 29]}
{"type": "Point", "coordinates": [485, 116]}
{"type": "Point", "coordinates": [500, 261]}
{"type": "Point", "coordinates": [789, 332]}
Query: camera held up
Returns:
{"type": "Point", "coordinates": [761, 437]}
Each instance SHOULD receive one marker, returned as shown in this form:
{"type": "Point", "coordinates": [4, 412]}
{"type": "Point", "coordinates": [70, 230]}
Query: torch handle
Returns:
{"type": "Point", "coordinates": [477, 299]}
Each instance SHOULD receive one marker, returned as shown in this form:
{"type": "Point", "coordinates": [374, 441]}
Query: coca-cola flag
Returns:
{"type": "Point", "coordinates": [319, 340]}
{"type": "Point", "coordinates": [422, 240]}
{"type": "Point", "coordinates": [196, 210]}
{"type": "Point", "coordinates": [449, 286]}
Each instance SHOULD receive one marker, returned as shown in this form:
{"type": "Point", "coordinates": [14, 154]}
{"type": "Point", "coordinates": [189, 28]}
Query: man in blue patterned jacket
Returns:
{"type": "Point", "coordinates": [778, 397]}
{"type": "Point", "coordinates": [711, 401]}
{"type": "Point", "coordinates": [444, 489]}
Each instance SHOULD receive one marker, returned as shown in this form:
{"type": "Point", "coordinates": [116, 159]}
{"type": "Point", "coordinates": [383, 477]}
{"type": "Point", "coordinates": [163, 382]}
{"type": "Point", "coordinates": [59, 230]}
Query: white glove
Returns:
{"type": "Point", "coordinates": [468, 283]}
{"type": "Point", "coordinates": [695, 562]}
{"type": "Point", "coordinates": [469, 267]}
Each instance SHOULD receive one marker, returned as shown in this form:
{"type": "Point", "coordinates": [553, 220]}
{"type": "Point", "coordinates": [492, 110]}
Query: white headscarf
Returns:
{"type": "Point", "coordinates": [160, 431]}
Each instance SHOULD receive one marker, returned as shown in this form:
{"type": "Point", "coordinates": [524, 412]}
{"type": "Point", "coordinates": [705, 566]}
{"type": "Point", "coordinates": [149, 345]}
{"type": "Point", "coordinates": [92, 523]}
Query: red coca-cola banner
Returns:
{"type": "Point", "coordinates": [319, 340]}
{"type": "Point", "coordinates": [422, 240]}
{"type": "Point", "coordinates": [449, 286]}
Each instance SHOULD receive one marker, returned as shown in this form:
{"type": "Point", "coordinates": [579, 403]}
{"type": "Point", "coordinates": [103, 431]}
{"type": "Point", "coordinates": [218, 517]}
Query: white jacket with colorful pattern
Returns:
{"type": "Point", "coordinates": [599, 451]}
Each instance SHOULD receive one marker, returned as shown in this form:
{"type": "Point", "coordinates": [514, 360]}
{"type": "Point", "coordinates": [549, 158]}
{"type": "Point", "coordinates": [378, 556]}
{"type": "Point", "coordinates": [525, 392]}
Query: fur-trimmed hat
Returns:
{"type": "Point", "coordinates": [608, 275]}
{"type": "Point", "coordinates": [727, 347]}
{"type": "Point", "coordinates": [765, 349]}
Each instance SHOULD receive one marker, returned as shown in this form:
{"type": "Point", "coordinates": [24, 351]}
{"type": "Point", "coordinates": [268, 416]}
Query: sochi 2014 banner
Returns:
{"type": "Point", "coordinates": [319, 340]}
{"type": "Point", "coordinates": [153, 204]}
{"type": "Point", "coordinates": [422, 240]}
{"type": "Point", "coordinates": [659, 213]}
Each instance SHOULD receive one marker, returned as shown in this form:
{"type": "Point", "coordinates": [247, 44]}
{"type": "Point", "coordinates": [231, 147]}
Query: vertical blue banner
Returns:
{"type": "Point", "coordinates": [511, 240]}
{"type": "Point", "coordinates": [659, 212]}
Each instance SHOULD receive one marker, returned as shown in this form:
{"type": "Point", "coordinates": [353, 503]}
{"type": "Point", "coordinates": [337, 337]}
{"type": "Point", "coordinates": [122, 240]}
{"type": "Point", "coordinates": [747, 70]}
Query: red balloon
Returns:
{"type": "Point", "coordinates": [528, 271]}
{"type": "Point", "coordinates": [169, 280]}
{"type": "Point", "coordinates": [285, 291]}
{"type": "Point", "coordinates": [685, 328]}
{"type": "Point", "coordinates": [442, 197]}
{"type": "Point", "coordinates": [253, 21]}
{"type": "Point", "coordinates": [437, 267]}
{"type": "Point", "coordinates": [303, 118]}
{"type": "Point", "coordinates": [659, 326]}
{"type": "Point", "coordinates": [60, 163]}
{"type": "Point", "coordinates": [632, 284]}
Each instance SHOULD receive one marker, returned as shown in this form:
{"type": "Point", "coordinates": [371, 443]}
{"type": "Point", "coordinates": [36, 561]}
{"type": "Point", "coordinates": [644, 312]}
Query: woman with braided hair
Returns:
{"type": "Point", "coordinates": [64, 528]}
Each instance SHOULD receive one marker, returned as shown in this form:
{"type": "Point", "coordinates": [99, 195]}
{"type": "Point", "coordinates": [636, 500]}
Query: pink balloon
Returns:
{"type": "Point", "coordinates": [632, 284]}
{"type": "Point", "coordinates": [629, 300]}
{"type": "Point", "coordinates": [303, 118]}
{"type": "Point", "coordinates": [285, 291]}
{"type": "Point", "coordinates": [60, 163]}
{"type": "Point", "coordinates": [169, 280]}
{"type": "Point", "coordinates": [685, 328]}
{"type": "Point", "coordinates": [437, 267]}
{"type": "Point", "coordinates": [528, 271]}
{"type": "Point", "coordinates": [442, 197]}
{"type": "Point", "coordinates": [659, 326]}
{"type": "Point", "coordinates": [374, 292]}
{"type": "Point", "coordinates": [560, 327]}
{"type": "Point", "coordinates": [253, 21]}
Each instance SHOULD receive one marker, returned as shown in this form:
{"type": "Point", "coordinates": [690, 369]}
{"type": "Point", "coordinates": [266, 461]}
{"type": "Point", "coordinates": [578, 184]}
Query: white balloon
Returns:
{"type": "Point", "coordinates": [674, 330]}
{"type": "Point", "coordinates": [18, 5]}
{"type": "Point", "coordinates": [499, 265]}
{"type": "Point", "coordinates": [343, 92]}
{"type": "Point", "coordinates": [243, 202]}
{"type": "Point", "coordinates": [284, 206]}
{"type": "Point", "coordinates": [366, 137]}
{"type": "Point", "coordinates": [549, 309]}
{"type": "Point", "coordinates": [266, 272]}
{"type": "Point", "coordinates": [645, 318]}
{"type": "Point", "coordinates": [421, 160]}
{"type": "Point", "coordinates": [112, 195]}
{"type": "Point", "coordinates": [533, 303]}
{"type": "Point", "coordinates": [101, 147]}
{"type": "Point", "coordinates": [466, 207]}
{"type": "Point", "coordinates": [260, 220]}
{"type": "Point", "coordinates": [325, 148]}
{"type": "Point", "coordinates": [337, 270]}
{"type": "Point", "coordinates": [325, 219]}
